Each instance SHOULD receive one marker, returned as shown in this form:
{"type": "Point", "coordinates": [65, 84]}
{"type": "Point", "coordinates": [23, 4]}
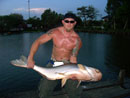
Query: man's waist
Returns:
{"type": "Point", "coordinates": [59, 62]}
{"type": "Point", "coordinates": [62, 60]}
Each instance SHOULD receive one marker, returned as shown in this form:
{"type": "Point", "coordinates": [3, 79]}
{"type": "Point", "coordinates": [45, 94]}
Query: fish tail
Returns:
{"type": "Point", "coordinates": [22, 62]}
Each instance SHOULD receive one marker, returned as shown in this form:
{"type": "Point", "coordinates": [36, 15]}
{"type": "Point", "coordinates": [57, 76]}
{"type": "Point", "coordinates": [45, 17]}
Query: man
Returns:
{"type": "Point", "coordinates": [66, 44]}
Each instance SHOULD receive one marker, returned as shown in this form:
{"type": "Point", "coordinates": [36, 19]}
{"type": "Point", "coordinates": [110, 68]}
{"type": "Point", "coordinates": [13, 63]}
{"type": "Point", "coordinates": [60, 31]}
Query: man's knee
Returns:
{"type": "Point", "coordinates": [46, 88]}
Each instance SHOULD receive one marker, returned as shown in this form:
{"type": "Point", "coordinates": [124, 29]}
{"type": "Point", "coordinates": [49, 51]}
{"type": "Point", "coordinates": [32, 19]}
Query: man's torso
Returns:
{"type": "Point", "coordinates": [63, 44]}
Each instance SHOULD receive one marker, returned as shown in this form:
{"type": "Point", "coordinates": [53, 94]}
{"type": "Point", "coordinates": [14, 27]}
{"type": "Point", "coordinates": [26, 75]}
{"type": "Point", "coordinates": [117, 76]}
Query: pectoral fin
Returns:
{"type": "Point", "coordinates": [61, 74]}
{"type": "Point", "coordinates": [63, 82]}
{"type": "Point", "coordinates": [79, 83]}
{"type": "Point", "coordinates": [81, 67]}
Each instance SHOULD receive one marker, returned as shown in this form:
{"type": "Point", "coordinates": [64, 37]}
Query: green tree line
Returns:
{"type": "Point", "coordinates": [49, 19]}
{"type": "Point", "coordinates": [11, 21]}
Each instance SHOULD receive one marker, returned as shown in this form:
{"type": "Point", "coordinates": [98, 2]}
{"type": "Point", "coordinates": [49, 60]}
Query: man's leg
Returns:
{"type": "Point", "coordinates": [72, 90]}
{"type": "Point", "coordinates": [46, 87]}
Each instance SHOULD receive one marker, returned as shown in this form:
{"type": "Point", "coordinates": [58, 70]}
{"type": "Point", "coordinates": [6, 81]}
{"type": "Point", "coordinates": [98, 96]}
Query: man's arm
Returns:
{"type": "Point", "coordinates": [73, 58]}
{"type": "Point", "coordinates": [41, 40]}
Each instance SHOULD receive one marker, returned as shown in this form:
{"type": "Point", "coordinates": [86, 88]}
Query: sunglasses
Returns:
{"type": "Point", "coordinates": [67, 21]}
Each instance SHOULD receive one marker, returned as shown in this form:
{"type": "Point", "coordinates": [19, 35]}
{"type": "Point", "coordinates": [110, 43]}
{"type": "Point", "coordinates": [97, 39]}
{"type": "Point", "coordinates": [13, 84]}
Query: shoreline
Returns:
{"type": "Point", "coordinates": [111, 32]}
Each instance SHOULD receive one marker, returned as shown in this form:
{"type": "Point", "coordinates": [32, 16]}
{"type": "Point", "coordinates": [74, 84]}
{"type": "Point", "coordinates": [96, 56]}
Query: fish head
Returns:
{"type": "Point", "coordinates": [93, 74]}
{"type": "Point", "coordinates": [98, 75]}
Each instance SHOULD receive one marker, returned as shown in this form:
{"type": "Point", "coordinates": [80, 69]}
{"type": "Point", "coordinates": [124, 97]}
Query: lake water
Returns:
{"type": "Point", "coordinates": [108, 53]}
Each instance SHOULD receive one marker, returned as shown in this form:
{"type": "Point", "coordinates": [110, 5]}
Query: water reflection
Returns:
{"type": "Point", "coordinates": [26, 42]}
{"type": "Point", "coordinates": [119, 53]}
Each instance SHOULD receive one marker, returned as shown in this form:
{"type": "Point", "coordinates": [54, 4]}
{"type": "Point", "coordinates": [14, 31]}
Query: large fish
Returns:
{"type": "Point", "coordinates": [70, 71]}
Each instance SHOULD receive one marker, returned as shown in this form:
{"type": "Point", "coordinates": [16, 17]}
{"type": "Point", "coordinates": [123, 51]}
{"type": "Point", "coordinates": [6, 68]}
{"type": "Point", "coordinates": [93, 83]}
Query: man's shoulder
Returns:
{"type": "Point", "coordinates": [52, 31]}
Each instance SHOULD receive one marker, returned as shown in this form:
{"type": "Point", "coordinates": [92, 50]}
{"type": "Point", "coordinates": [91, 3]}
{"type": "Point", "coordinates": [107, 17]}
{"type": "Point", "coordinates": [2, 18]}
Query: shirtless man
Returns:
{"type": "Point", "coordinates": [66, 44]}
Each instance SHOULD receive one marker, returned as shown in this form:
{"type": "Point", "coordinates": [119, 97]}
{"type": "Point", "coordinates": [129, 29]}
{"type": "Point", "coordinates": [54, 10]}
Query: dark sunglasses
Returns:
{"type": "Point", "coordinates": [67, 21]}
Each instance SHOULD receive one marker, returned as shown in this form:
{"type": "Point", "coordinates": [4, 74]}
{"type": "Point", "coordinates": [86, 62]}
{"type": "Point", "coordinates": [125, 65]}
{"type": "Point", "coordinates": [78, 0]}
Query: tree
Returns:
{"type": "Point", "coordinates": [35, 21]}
{"type": "Point", "coordinates": [15, 20]}
{"type": "Point", "coordinates": [92, 13]}
{"type": "Point", "coordinates": [82, 12]}
{"type": "Point", "coordinates": [50, 19]}
{"type": "Point", "coordinates": [2, 24]}
{"type": "Point", "coordinates": [123, 14]}
{"type": "Point", "coordinates": [119, 13]}
{"type": "Point", "coordinates": [11, 21]}
{"type": "Point", "coordinates": [87, 13]}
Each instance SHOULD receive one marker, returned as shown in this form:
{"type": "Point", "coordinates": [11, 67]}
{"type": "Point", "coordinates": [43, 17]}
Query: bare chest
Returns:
{"type": "Point", "coordinates": [65, 42]}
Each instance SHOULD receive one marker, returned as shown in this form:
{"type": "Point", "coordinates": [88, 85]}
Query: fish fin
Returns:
{"type": "Point", "coordinates": [81, 67]}
{"type": "Point", "coordinates": [63, 82]}
{"type": "Point", "coordinates": [22, 62]}
{"type": "Point", "coordinates": [18, 63]}
{"type": "Point", "coordinates": [23, 58]}
{"type": "Point", "coordinates": [79, 83]}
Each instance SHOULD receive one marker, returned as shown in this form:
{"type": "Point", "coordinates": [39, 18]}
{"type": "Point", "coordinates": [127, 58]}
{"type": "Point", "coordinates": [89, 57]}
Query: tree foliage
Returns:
{"type": "Point", "coordinates": [11, 21]}
{"type": "Point", "coordinates": [50, 19]}
{"type": "Point", "coordinates": [35, 22]}
{"type": "Point", "coordinates": [87, 13]}
{"type": "Point", "coordinates": [119, 13]}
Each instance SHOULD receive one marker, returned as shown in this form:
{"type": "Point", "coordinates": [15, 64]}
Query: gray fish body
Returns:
{"type": "Point", "coordinates": [57, 72]}
{"type": "Point", "coordinates": [71, 71]}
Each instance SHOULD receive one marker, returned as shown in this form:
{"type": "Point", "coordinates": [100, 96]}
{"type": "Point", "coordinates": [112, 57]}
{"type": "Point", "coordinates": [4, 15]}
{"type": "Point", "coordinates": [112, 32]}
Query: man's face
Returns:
{"type": "Point", "coordinates": [69, 24]}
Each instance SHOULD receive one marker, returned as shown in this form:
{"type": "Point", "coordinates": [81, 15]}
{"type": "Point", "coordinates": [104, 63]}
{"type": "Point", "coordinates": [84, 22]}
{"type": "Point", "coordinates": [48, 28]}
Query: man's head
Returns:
{"type": "Point", "coordinates": [70, 15]}
{"type": "Point", "coordinates": [69, 21]}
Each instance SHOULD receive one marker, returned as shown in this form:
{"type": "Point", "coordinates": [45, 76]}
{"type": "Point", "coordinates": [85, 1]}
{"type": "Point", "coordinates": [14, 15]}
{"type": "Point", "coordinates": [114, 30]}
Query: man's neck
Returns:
{"type": "Point", "coordinates": [67, 33]}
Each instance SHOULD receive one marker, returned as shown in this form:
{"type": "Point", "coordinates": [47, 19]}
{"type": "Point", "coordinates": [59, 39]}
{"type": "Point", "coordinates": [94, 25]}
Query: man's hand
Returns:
{"type": "Point", "coordinates": [30, 63]}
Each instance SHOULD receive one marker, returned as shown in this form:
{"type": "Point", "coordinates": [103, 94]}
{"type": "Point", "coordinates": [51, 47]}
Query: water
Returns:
{"type": "Point", "coordinates": [105, 52]}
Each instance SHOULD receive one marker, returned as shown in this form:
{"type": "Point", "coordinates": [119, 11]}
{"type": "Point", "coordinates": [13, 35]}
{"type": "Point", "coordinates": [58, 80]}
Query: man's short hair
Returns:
{"type": "Point", "coordinates": [70, 15]}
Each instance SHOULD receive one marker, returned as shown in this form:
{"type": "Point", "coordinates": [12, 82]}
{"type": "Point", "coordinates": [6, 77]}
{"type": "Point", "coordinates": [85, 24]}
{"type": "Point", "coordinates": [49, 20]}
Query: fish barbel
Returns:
{"type": "Point", "coordinates": [70, 71]}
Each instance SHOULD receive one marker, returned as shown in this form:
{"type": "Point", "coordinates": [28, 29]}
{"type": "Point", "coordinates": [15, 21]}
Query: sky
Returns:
{"type": "Point", "coordinates": [37, 7]}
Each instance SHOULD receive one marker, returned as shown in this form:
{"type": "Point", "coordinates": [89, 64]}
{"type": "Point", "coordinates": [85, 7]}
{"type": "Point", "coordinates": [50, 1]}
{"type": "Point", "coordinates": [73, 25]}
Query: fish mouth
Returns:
{"type": "Point", "coordinates": [99, 76]}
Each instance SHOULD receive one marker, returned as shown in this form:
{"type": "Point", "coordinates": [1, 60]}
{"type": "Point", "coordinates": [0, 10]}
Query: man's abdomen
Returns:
{"type": "Point", "coordinates": [61, 54]}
